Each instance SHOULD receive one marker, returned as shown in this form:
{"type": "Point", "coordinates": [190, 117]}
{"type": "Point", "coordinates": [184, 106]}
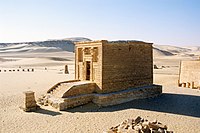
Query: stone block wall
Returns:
{"type": "Point", "coordinates": [124, 96]}
{"type": "Point", "coordinates": [190, 74]}
{"type": "Point", "coordinates": [121, 64]}
{"type": "Point", "coordinates": [125, 65]}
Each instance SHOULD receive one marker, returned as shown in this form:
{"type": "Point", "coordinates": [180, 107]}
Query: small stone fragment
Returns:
{"type": "Point", "coordinates": [161, 130]}
{"type": "Point", "coordinates": [162, 126]}
{"type": "Point", "coordinates": [154, 121]}
{"type": "Point", "coordinates": [153, 126]}
{"type": "Point", "coordinates": [138, 119]}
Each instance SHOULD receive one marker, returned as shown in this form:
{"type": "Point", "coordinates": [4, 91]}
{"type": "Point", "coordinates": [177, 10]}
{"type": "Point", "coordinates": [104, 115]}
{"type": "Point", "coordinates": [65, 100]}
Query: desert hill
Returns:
{"type": "Point", "coordinates": [168, 50]}
{"type": "Point", "coordinates": [159, 52]}
{"type": "Point", "coordinates": [66, 44]}
{"type": "Point", "coordinates": [77, 39]}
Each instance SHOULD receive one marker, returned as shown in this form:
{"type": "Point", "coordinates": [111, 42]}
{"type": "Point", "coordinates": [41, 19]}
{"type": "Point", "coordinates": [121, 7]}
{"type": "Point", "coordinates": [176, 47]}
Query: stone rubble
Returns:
{"type": "Point", "coordinates": [43, 100]}
{"type": "Point", "coordinates": [139, 125]}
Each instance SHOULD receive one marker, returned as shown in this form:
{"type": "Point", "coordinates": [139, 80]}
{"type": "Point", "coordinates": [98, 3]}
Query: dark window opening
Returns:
{"type": "Point", "coordinates": [87, 70]}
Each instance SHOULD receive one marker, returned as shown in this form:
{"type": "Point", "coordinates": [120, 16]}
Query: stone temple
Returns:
{"type": "Point", "coordinates": [189, 74]}
{"type": "Point", "coordinates": [106, 73]}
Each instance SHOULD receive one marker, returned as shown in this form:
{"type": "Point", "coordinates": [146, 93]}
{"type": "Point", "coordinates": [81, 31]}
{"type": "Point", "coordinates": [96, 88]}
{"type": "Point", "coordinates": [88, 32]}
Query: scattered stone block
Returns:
{"type": "Point", "coordinates": [138, 119]}
{"type": "Point", "coordinates": [188, 85]}
{"type": "Point", "coordinates": [155, 67]}
{"type": "Point", "coordinates": [192, 86]}
{"type": "Point", "coordinates": [183, 85]}
{"type": "Point", "coordinates": [29, 102]}
{"type": "Point", "coordinates": [66, 69]}
{"type": "Point", "coordinates": [179, 84]}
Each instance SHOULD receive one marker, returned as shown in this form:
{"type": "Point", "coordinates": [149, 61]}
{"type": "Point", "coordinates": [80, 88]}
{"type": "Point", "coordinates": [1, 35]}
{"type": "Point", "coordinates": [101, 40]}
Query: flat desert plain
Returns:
{"type": "Point", "coordinates": [178, 108]}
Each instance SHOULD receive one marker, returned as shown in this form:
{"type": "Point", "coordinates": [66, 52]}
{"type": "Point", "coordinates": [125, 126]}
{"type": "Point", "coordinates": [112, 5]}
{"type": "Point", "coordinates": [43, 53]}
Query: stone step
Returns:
{"type": "Point", "coordinates": [66, 86]}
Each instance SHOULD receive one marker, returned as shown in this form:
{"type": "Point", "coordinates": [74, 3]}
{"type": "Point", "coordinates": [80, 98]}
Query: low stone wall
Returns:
{"type": "Point", "coordinates": [106, 99]}
{"type": "Point", "coordinates": [75, 101]}
{"type": "Point", "coordinates": [65, 103]}
{"type": "Point", "coordinates": [127, 95]}
{"type": "Point", "coordinates": [189, 74]}
{"type": "Point", "coordinates": [87, 88]}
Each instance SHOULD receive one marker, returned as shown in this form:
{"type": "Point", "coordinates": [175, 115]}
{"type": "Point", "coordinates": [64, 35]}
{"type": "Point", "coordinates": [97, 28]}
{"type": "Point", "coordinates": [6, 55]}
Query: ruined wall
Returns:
{"type": "Point", "coordinates": [125, 65]}
{"type": "Point", "coordinates": [190, 72]}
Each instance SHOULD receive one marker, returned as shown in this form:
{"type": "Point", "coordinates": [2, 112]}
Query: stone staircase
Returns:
{"type": "Point", "coordinates": [60, 88]}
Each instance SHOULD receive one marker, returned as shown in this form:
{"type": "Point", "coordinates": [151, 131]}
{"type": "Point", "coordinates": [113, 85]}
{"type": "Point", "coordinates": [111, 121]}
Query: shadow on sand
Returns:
{"type": "Point", "coordinates": [47, 112]}
{"type": "Point", "coordinates": [187, 105]}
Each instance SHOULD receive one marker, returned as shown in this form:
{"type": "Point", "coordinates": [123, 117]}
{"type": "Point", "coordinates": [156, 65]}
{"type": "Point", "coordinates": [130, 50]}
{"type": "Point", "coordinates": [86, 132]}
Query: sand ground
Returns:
{"type": "Point", "coordinates": [179, 108]}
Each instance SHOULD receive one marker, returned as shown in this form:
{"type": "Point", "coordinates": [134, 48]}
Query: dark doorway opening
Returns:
{"type": "Point", "coordinates": [87, 70]}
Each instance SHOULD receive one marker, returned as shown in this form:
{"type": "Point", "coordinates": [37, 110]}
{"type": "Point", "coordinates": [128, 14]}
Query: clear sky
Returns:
{"type": "Point", "coordinates": [174, 22]}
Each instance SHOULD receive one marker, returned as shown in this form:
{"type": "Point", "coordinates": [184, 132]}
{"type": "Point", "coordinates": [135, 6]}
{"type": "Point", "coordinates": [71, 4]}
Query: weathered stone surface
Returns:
{"type": "Point", "coordinates": [29, 102]}
{"type": "Point", "coordinates": [116, 65]}
{"type": "Point", "coordinates": [127, 95]}
{"type": "Point", "coordinates": [102, 99]}
{"type": "Point", "coordinates": [189, 74]}
{"type": "Point", "coordinates": [138, 125]}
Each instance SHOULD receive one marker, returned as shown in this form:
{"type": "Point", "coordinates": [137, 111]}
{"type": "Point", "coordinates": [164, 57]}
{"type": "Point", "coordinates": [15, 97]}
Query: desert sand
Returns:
{"type": "Point", "coordinates": [178, 108]}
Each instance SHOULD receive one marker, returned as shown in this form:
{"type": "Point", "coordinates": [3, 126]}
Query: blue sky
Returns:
{"type": "Point", "coordinates": [174, 22]}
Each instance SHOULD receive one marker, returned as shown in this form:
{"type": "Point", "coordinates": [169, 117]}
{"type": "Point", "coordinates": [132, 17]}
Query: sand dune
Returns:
{"type": "Point", "coordinates": [157, 52]}
{"type": "Point", "coordinates": [172, 49]}
{"type": "Point", "coordinates": [22, 48]}
{"type": "Point", "coordinates": [164, 51]}
{"type": "Point", "coordinates": [193, 48]}
{"type": "Point", "coordinates": [67, 44]}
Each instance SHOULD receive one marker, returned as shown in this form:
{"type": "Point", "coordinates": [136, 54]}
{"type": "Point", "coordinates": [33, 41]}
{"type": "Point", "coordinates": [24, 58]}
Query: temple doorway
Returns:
{"type": "Point", "coordinates": [88, 72]}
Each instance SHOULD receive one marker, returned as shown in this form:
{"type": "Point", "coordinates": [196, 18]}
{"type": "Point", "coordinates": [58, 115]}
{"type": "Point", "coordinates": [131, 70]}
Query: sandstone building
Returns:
{"type": "Point", "coordinates": [107, 73]}
{"type": "Point", "coordinates": [115, 65]}
{"type": "Point", "coordinates": [189, 74]}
